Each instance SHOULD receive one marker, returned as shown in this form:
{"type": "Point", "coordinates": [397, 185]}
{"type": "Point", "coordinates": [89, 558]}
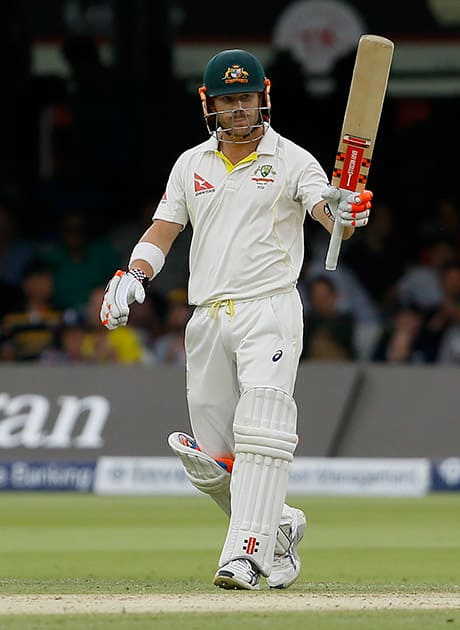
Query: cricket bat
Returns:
{"type": "Point", "coordinates": [360, 124]}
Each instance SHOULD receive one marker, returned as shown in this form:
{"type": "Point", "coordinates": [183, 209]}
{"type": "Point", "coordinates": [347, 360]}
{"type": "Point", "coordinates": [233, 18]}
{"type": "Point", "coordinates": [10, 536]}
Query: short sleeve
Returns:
{"type": "Point", "coordinates": [311, 183]}
{"type": "Point", "coordinates": [172, 206]}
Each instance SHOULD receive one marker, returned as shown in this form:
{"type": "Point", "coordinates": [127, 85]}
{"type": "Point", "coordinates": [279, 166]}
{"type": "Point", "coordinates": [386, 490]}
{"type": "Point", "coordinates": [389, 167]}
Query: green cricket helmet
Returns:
{"type": "Point", "coordinates": [233, 72]}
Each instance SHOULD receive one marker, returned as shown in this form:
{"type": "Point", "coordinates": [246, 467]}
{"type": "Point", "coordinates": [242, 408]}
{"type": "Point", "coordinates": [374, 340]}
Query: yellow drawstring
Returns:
{"type": "Point", "coordinates": [230, 308]}
{"type": "Point", "coordinates": [214, 309]}
{"type": "Point", "coordinates": [215, 306]}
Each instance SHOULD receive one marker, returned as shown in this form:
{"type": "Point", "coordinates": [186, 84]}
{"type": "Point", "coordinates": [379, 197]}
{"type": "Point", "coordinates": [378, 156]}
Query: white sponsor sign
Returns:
{"type": "Point", "coordinates": [321, 476]}
{"type": "Point", "coordinates": [359, 477]}
{"type": "Point", "coordinates": [141, 475]}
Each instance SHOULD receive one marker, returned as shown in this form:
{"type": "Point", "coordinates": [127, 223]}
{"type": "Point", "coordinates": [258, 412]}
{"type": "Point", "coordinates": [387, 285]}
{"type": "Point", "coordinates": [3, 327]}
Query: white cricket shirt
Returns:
{"type": "Point", "coordinates": [247, 222]}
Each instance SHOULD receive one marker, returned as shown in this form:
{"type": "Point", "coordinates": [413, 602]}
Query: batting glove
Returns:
{"type": "Point", "coordinates": [123, 289]}
{"type": "Point", "coordinates": [350, 209]}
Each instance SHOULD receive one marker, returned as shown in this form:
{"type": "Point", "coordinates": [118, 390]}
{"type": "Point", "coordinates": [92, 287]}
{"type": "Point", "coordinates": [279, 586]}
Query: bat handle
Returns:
{"type": "Point", "coordinates": [333, 250]}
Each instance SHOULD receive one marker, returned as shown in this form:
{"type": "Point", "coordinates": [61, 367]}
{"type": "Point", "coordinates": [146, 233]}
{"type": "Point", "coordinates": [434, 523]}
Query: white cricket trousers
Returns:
{"type": "Point", "coordinates": [231, 348]}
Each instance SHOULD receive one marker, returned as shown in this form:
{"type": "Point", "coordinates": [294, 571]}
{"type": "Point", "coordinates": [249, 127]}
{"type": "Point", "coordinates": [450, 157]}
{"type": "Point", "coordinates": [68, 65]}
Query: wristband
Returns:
{"type": "Point", "coordinates": [140, 275]}
{"type": "Point", "coordinates": [149, 252]}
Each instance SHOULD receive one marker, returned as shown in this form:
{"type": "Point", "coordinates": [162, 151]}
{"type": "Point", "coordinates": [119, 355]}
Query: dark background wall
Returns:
{"type": "Point", "coordinates": [147, 112]}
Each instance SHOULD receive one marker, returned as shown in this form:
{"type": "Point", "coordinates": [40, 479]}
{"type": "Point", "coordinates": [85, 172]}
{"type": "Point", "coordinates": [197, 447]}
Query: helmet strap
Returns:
{"type": "Point", "coordinates": [204, 101]}
{"type": "Point", "coordinates": [268, 103]}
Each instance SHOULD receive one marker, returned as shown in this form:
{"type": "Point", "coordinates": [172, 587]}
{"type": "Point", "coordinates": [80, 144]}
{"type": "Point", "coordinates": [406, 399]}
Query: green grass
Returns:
{"type": "Point", "coordinates": [73, 543]}
{"type": "Point", "coordinates": [391, 620]}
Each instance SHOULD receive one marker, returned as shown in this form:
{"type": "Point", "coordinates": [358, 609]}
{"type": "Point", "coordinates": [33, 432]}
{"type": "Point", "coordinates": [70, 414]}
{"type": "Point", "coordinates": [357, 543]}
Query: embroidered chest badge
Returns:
{"type": "Point", "coordinates": [261, 176]}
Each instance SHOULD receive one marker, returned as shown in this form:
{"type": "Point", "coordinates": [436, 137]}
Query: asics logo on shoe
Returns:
{"type": "Point", "coordinates": [286, 565]}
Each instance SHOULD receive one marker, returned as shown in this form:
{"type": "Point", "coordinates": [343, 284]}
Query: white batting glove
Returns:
{"type": "Point", "coordinates": [123, 289]}
{"type": "Point", "coordinates": [350, 209]}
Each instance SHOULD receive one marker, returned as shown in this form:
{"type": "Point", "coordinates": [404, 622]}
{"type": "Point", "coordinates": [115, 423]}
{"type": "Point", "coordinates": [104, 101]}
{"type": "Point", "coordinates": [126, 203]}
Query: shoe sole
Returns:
{"type": "Point", "coordinates": [224, 580]}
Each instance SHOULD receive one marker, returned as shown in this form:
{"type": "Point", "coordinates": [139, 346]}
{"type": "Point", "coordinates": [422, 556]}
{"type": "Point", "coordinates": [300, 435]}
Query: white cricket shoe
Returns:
{"type": "Point", "coordinates": [286, 564]}
{"type": "Point", "coordinates": [238, 574]}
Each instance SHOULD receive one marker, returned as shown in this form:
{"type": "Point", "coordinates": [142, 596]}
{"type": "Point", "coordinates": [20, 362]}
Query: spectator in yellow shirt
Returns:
{"type": "Point", "coordinates": [100, 345]}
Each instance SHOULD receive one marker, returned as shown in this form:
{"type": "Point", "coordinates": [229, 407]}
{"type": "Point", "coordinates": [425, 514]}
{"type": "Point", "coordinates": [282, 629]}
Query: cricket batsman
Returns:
{"type": "Point", "coordinates": [246, 191]}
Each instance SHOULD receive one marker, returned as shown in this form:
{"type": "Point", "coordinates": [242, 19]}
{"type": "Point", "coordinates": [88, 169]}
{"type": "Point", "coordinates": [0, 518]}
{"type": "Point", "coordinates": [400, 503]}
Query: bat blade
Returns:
{"type": "Point", "coordinates": [360, 124]}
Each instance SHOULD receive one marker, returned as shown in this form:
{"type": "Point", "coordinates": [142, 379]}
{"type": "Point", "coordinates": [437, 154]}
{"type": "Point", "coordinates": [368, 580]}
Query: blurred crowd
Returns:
{"type": "Point", "coordinates": [52, 293]}
{"type": "Point", "coordinates": [395, 296]}
{"type": "Point", "coordinates": [389, 299]}
{"type": "Point", "coordinates": [377, 306]}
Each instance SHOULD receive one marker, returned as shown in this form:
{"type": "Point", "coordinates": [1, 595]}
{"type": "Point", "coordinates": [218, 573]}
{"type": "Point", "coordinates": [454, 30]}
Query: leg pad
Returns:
{"type": "Point", "coordinates": [265, 441]}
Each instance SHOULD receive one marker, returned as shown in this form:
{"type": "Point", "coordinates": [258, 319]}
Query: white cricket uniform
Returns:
{"type": "Point", "coordinates": [245, 257]}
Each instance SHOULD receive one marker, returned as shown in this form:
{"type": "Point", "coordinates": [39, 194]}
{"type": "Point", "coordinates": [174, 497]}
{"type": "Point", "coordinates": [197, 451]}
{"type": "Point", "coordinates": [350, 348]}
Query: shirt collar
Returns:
{"type": "Point", "coordinates": [269, 142]}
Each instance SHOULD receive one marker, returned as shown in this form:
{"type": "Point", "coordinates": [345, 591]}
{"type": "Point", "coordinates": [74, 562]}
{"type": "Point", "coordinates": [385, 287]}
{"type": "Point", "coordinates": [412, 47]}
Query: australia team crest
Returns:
{"type": "Point", "coordinates": [263, 175]}
{"type": "Point", "coordinates": [236, 74]}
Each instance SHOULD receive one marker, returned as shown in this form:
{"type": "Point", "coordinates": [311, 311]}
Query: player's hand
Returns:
{"type": "Point", "coordinates": [123, 289]}
{"type": "Point", "coordinates": [350, 209]}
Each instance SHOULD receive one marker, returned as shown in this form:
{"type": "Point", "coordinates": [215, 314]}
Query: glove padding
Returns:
{"type": "Point", "coordinates": [350, 209]}
{"type": "Point", "coordinates": [122, 290]}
